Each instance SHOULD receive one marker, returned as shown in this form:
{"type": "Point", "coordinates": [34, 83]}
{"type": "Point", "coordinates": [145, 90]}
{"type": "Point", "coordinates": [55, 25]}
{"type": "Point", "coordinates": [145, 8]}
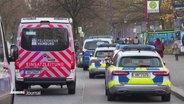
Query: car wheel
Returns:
{"type": "Point", "coordinates": [20, 86]}
{"type": "Point", "coordinates": [12, 99]}
{"type": "Point", "coordinates": [110, 97]}
{"type": "Point", "coordinates": [71, 87]}
{"type": "Point", "coordinates": [166, 97]}
{"type": "Point", "coordinates": [85, 68]}
{"type": "Point", "coordinates": [105, 88]}
{"type": "Point", "coordinates": [91, 75]}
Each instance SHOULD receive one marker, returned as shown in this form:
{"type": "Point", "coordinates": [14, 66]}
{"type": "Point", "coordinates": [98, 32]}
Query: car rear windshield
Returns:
{"type": "Point", "coordinates": [44, 39]}
{"type": "Point", "coordinates": [140, 61]}
{"type": "Point", "coordinates": [91, 45]}
{"type": "Point", "coordinates": [104, 54]}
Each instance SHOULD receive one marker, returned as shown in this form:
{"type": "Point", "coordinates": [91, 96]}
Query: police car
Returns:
{"type": "Point", "coordinates": [89, 47]}
{"type": "Point", "coordinates": [137, 69]}
{"type": "Point", "coordinates": [98, 62]}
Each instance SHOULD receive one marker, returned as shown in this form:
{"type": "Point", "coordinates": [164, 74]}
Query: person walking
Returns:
{"type": "Point", "coordinates": [159, 46]}
{"type": "Point", "coordinates": [175, 50]}
{"type": "Point", "coordinates": [136, 40]}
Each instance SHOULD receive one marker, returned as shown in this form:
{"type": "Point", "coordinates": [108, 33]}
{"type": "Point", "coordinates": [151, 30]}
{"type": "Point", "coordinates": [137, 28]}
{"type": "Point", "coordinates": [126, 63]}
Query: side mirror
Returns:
{"type": "Point", "coordinates": [108, 61]}
{"type": "Point", "coordinates": [13, 52]}
{"type": "Point", "coordinates": [11, 36]}
{"type": "Point", "coordinates": [91, 54]}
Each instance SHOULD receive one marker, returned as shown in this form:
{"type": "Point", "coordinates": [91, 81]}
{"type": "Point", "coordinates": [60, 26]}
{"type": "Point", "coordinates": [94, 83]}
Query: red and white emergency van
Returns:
{"type": "Point", "coordinates": [46, 54]}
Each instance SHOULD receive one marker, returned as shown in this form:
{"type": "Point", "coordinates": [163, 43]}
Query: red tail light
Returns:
{"type": "Point", "coordinates": [95, 60]}
{"type": "Point", "coordinates": [161, 73]}
{"type": "Point", "coordinates": [73, 61]}
{"type": "Point", "coordinates": [16, 65]}
{"type": "Point", "coordinates": [82, 53]}
{"type": "Point", "coordinates": [119, 72]}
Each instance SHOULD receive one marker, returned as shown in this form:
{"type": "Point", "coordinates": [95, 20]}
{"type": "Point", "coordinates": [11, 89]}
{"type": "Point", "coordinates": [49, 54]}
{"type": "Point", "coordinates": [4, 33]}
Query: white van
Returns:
{"type": "Point", "coordinates": [46, 54]}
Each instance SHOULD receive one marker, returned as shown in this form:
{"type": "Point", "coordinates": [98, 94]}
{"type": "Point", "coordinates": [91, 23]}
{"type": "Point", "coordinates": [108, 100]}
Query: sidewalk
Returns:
{"type": "Point", "coordinates": [177, 74]}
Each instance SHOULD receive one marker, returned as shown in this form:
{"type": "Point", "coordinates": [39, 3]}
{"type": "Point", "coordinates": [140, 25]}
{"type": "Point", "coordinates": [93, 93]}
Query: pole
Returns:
{"type": "Point", "coordinates": [110, 13]}
{"type": "Point", "coordinates": [147, 24]}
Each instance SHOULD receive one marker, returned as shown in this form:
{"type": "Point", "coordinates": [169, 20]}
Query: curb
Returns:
{"type": "Point", "coordinates": [178, 92]}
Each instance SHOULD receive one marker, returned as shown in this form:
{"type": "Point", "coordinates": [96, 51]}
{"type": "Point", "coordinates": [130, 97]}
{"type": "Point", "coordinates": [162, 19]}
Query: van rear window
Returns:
{"type": "Point", "coordinates": [44, 39]}
{"type": "Point", "coordinates": [91, 45]}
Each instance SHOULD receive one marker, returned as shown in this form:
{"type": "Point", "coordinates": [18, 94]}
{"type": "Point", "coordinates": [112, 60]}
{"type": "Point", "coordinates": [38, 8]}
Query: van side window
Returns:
{"type": "Point", "coordinates": [45, 39]}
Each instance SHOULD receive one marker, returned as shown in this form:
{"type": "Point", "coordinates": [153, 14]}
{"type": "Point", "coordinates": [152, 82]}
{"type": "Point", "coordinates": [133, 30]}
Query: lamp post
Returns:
{"type": "Point", "coordinates": [111, 13]}
{"type": "Point", "coordinates": [147, 25]}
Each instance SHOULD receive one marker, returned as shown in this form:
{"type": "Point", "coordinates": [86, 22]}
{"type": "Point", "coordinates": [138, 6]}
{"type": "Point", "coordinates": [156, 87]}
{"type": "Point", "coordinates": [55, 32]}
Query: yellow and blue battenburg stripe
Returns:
{"type": "Point", "coordinates": [130, 80]}
{"type": "Point", "coordinates": [97, 62]}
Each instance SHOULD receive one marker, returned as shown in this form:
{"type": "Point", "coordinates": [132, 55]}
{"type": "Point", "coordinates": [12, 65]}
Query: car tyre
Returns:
{"type": "Point", "coordinates": [85, 68]}
{"type": "Point", "coordinates": [71, 87]}
{"type": "Point", "coordinates": [110, 97]}
{"type": "Point", "coordinates": [91, 75]}
{"type": "Point", "coordinates": [166, 97]}
{"type": "Point", "coordinates": [20, 86]}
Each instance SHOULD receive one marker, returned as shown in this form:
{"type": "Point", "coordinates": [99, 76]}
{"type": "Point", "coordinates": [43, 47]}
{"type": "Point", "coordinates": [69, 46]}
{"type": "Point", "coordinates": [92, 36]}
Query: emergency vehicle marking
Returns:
{"type": "Point", "coordinates": [48, 68]}
{"type": "Point", "coordinates": [61, 58]}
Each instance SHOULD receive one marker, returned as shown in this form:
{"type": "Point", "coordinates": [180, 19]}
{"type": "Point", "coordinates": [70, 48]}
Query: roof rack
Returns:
{"type": "Point", "coordinates": [101, 36]}
{"type": "Point", "coordinates": [136, 47]}
{"type": "Point", "coordinates": [107, 45]}
{"type": "Point", "coordinates": [43, 19]}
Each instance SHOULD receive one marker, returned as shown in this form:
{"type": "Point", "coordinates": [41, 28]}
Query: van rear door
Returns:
{"type": "Point", "coordinates": [44, 50]}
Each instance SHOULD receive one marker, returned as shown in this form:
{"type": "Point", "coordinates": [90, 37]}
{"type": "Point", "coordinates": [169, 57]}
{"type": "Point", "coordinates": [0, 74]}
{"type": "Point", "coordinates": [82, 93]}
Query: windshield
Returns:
{"type": "Point", "coordinates": [104, 53]}
{"type": "Point", "coordinates": [44, 39]}
{"type": "Point", "coordinates": [140, 61]}
{"type": "Point", "coordinates": [91, 45]}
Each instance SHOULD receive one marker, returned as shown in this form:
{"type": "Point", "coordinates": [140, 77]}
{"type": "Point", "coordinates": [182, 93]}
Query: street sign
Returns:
{"type": "Point", "coordinates": [153, 6]}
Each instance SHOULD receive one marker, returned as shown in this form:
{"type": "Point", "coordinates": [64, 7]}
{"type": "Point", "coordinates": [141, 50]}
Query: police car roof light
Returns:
{"type": "Point", "coordinates": [107, 45]}
{"type": "Point", "coordinates": [40, 19]}
{"type": "Point", "coordinates": [137, 47]}
{"type": "Point", "coordinates": [102, 36]}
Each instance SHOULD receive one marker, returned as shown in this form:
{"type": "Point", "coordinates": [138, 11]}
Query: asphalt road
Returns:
{"type": "Point", "coordinates": [176, 70]}
{"type": "Point", "coordinates": [88, 91]}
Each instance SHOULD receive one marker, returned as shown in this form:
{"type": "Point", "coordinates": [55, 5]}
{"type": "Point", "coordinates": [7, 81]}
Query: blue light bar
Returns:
{"type": "Point", "coordinates": [137, 47]}
{"type": "Point", "coordinates": [107, 45]}
{"type": "Point", "coordinates": [177, 4]}
{"type": "Point", "coordinates": [93, 37]}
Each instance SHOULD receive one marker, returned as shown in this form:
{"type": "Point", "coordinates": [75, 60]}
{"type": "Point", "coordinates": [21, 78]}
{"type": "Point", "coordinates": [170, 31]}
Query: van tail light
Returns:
{"type": "Point", "coordinates": [161, 73]}
{"type": "Point", "coordinates": [73, 61]}
{"type": "Point", "coordinates": [119, 73]}
{"type": "Point", "coordinates": [17, 65]}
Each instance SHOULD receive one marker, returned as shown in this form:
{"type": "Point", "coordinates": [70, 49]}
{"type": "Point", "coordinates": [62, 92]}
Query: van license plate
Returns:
{"type": "Point", "coordinates": [32, 71]}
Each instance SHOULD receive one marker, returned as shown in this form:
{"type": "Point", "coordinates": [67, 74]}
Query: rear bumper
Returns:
{"type": "Point", "coordinates": [47, 80]}
{"type": "Point", "coordinates": [84, 65]}
{"type": "Point", "coordinates": [97, 71]}
{"type": "Point", "coordinates": [140, 89]}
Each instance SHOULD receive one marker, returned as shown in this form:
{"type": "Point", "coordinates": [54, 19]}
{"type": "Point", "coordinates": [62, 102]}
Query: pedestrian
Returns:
{"type": "Point", "coordinates": [175, 50]}
{"type": "Point", "coordinates": [159, 46]}
{"type": "Point", "coordinates": [136, 40]}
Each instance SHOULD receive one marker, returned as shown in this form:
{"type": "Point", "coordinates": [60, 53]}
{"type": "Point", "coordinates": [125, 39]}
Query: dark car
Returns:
{"type": "Point", "coordinates": [6, 84]}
